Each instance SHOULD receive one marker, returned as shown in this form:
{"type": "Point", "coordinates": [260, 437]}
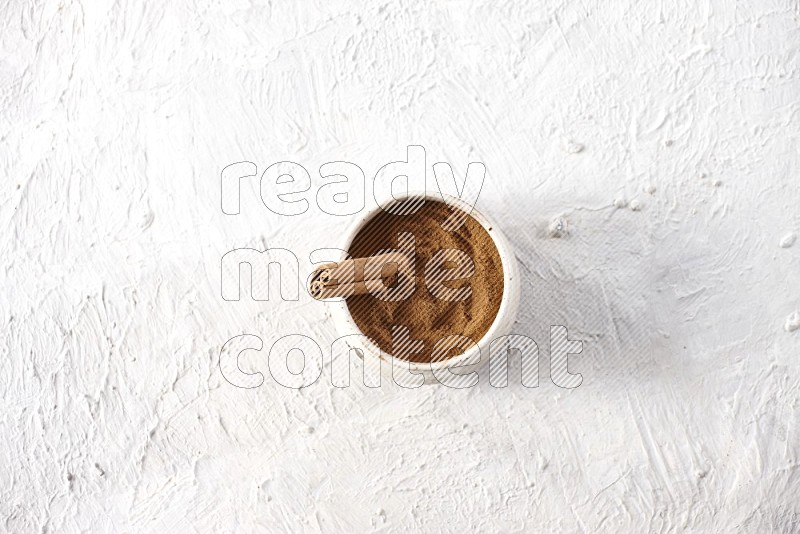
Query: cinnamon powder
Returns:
{"type": "Point", "coordinates": [427, 317]}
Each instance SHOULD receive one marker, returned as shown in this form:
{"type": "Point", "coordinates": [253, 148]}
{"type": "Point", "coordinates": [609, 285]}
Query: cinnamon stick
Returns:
{"type": "Point", "coordinates": [357, 276]}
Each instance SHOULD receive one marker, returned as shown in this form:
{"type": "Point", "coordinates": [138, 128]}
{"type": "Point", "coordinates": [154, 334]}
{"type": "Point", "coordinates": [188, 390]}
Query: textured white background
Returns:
{"type": "Point", "coordinates": [116, 119]}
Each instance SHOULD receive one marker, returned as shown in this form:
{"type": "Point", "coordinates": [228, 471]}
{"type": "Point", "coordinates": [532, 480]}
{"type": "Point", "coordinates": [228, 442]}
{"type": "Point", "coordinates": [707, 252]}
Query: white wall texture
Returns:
{"type": "Point", "coordinates": [665, 134]}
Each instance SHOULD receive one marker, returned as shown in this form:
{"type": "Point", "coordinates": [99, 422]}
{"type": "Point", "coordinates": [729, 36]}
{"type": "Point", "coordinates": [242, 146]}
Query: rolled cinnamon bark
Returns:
{"type": "Point", "coordinates": [357, 276]}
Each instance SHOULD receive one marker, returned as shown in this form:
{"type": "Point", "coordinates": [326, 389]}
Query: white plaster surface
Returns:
{"type": "Point", "coordinates": [116, 120]}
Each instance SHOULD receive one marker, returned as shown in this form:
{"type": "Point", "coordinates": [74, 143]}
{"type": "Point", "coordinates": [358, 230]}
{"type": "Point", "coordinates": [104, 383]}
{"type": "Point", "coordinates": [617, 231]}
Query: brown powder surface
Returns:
{"type": "Point", "coordinates": [427, 317]}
